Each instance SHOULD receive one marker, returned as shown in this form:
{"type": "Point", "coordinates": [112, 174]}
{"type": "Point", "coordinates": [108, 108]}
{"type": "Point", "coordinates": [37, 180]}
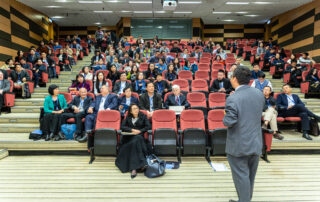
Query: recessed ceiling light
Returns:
{"type": "Point", "coordinates": [242, 12]}
{"type": "Point", "coordinates": [251, 15]}
{"type": "Point", "coordinates": [103, 11]}
{"type": "Point", "coordinates": [140, 2]}
{"type": "Point", "coordinates": [125, 11]}
{"type": "Point", "coordinates": [97, 23]}
{"type": "Point", "coordinates": [159, 11]}
{"type": "Point", "coordinates": [190, 2]}
{"type": "Point", "coordinates": [229, 20]}
{"type": "Point", "coordinates": [222, 12]}
{"type": "Point", "coordinates": [62, 1]}
{"type": "Point", "coordinates": [142, 11]}
{"type": "Point", "coordinates": [57, 17]}
{"type": "Point", "coordinates": [262, 2]}
{"type": "Point", "coordinates": [90, 2]}
{"type": "Point", "coordinates": [182, 12]}
{"type": "Point", "coordinates": [113, 1]}
{"type": "Point", "coordinates": [52, 6]}
{"type": "Point", "coordinates": [236, 3]}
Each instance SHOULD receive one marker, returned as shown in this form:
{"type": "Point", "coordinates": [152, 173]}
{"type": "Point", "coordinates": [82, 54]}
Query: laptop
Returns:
{"type": "Point", "coordinates": [177, 109]}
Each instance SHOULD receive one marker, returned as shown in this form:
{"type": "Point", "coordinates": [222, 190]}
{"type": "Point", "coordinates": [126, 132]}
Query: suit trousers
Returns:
{"type": "Point", "coordinates": [1, 101]}
{"type": "Point", "coordinates": [90, 122]}
{"type": "Point", "coordinates": [271, 115]}
{"type": "Point", "coordinates": [52, 123]}
{"type": "Point", "coordinates": [78, 118]}
{"type": "Point", "coordinates": [244, 170]}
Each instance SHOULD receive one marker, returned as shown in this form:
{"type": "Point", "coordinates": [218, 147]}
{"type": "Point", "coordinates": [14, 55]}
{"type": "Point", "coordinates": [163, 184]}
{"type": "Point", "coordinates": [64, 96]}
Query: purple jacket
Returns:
{"type": "Point", "coordinates": [80, 85]}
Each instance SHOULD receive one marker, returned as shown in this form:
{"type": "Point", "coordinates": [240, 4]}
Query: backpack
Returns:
{"type": "Point", "coordinates": [27, 93]}
{"type": "Point", "coordinates": [67, 67]}
{"type": "Point", "coordinates": [314, 127]}
{"type": "Point", "coordinates": [69, 130]}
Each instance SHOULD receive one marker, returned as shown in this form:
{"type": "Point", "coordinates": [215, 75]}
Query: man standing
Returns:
{"type": "Point", "coordinates": [244, 140]}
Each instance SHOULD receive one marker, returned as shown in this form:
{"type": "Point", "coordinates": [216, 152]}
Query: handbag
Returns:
{"type": "Point", "coordinates": [68, 130]}
{"type": "Point", "coordinates": [35, 135]}
{"type": "Point", "coordinates": [155, 166]}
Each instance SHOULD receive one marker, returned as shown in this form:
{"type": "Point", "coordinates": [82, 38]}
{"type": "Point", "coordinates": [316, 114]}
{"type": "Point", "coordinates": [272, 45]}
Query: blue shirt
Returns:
{"type": "Point", "coordinates": [151, 103]}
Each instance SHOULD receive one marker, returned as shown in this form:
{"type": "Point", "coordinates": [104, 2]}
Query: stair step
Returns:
{"type": "Point", "coordinates": [45, 90]}
{"type": "Point", "coordinates": [29, 102]}
{"type": "Point", "coordinates": [18, 128]}
{"type": "Point", "coordinates": [25, 109]}
{"type": "Point", "coordinates": [20, 118]}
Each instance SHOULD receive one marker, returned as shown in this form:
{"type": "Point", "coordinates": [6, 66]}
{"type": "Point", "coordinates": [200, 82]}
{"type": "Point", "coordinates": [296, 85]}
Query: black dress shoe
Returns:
{"type": "Point", "coordinates": [47, 137]}
{"type": "Point", "coordinates": [57, 138]}
{"type": "Point", "coordinates": [83, 139]}
{"type": "Point", "coordinates": [61, 136]}
{"type": "Point", "coordinates": [306, 135]}
{"type": "Point", "coordinates": [78, 137]}
{"type": "Point", "coordinates": [51, 136]}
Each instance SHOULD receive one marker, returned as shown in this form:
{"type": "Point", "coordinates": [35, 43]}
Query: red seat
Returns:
{"type": "Point", "coordinates": [106, 137]}
{"type": "Point", "coordinates": [183, 83]}
{"type": "Point", "coordinates": [230, 60]}
{"type": "Point", "coordinates": [202, 74]}
{"type": "Point", "coordinates": [105, 72]}
{"type": "Point", "coordinates": [217, 100]}
{"type": "Point", "coordinates": [166, 96]}
{"type": "Point", "coordinates": [164, 133]}
{"type": "Point", "coordinates": [199, 85]}
{"type": "Point", "coordinates": [205, 60]}
{"type": "Point", "coordinates": [215, 119]}
{"type": "Point", "coordinates": [230, 55]}
{"type": "Point", "coordinates": [143, 67]}
{"type": "Point", "coordinates": [217, 66]}
{"type": "Point", "coordinates": [214, 75]}
{"type": "Point", "coordinates": [9, 97]}
{"type": "Point", "coordinates": [206, 55]}
{"type": "Point", "coordinates": [204, 67]}
{"type": "Point", "coordinates": [185, 74]}
{"type": "Point", "coordinates": [197, 99]}
{"type": "Point", "coordinates": [192, 60]}
{"type": "Point", "coordinates": [193, 137]}
{"type": "Point", "coordinates": [246, 52]}
{"type": "Point", "coordinates": [67, 96]}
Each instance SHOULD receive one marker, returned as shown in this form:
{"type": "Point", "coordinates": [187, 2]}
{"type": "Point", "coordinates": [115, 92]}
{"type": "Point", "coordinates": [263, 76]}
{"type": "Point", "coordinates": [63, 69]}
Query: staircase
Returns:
{"type": "Point", "coordinates": [24, 117]}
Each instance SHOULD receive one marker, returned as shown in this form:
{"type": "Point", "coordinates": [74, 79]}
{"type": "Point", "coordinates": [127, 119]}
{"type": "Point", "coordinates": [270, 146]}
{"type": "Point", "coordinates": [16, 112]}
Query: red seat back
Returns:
{"type": "Point", "coordinates": [197, 99]}
{"type": "Point", "coordinates": [164, 118]}
{"type": "Point", "coordinates": [67, 96]}
{"type": "Point", "coordinates": [206, 55]}
{"type": "Point", "coordinates": [215, 119]}
{"type": "Point", "coordinates": [205, 60]}
{"type": "Point", "coordinates": [217, 66]}
{"type": "Point", "coordinates": [108, 119]}
{"type": "Point", "coordinates": [166, 96]}
{"type": "Point", "coordinates": [204, 66]}
{"type": "Point", "coordinates": [183, 83]}
{"type": "Point", "coordinates": [143, 67]}
{"type": "Point", "coordinates": [192, 60]}
{"type": "Point", "coordinates": [199, 85]}
{"type": "Point", "coordinates": [217, 100]}
{"type": "Point", "coordinates": [230, 55]}
{"type": "Point", "coordinates": [185, 74]}
{"type": "Point", "coordinates": [30, 73]}
{"type": "Point", "coordinates": [304, 75]}
{"type": "Point", "coordinates": [230, 60]}
{"type": "Point", "coordinates": [192, 118]}
{"type": "Point", "coordinates": [202, 74]}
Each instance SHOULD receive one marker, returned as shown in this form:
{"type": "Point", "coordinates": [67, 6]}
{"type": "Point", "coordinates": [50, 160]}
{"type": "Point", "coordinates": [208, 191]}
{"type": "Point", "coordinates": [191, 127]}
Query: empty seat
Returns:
{"type": "Point", "coordinates": [217, 100]}
{"type": "Point", "coordinates": [205, 60]}
{"type": "Point", "coordinates": [143, 67]}
{"type": "Point", "coordinates": [230, 60]}
{"type": "Point", "coordinates": [230, 55]}
{"type": "Point", "coordinates": [214, 74]}
{"type": "Point", "coordinates": [164, 133]}
{"type": "Point", "coordinates": [185, 74]}
{"type": "Point", "coordinates": [217, 130]}
{"type": "Point", "coordinates": [106, 133]}
{"type": "Point", "coordinates": [206, 55]}
{"type": "Point", "coordinates": [202, 74]}
{"type": "Point", "coordinates": [197, 99]}
{"type": "Point", "coordinates": [199, 85]}
{"type": "Point", "coordinates": [204, 66]}
{"type": "Point", "coordinates": [192, 60]}
{"type": "Point", "coordinates": [217, 66]}
{"type": "Point", "coordinates": [9, 97]}
{"type": "Point", "coordinates": [183, 83]}
{"type": "Point", "coordinates": [193, 132]}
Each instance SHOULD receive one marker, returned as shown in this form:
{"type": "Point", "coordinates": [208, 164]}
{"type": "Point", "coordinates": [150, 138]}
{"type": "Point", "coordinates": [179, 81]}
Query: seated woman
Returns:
{"type": "Point", "coordinates": [99, 82]}
{"type": "Point", "coordinates": [139, 85]}
{"type": "Point", "coordinates": [176, 65]}
{"type": "Point", "coordinates": [126, 100]}
{"type": "Point", "coordinates": [54, 106]}
{"type": "Point", "coordinates": [171, 74]}
{"type": "Point", "coordinates": [161, 66]}
{"type": "Point", "coordinates": [314, 81]}
{"type": "Point", "coordinates": [191, 67]}
{"type": "Point", "coordinates": [113, 74]}
{"type": "Point", "coordinates": [86, 73]}
{"type": "Point", "coordinates": [133, 148]}
{"type": "Point", "coordinates": [218, 59]}
{"type": "Point", "coordinates": [99, 66]}
{"type": "Point", "coordinates": [270, 113]}
{"type": "Point", "coordinates": [79, 83]}
{"type": "Point", "coordinates": [151, 73]}
{"type": "Point", "coordinates": [133, 74]}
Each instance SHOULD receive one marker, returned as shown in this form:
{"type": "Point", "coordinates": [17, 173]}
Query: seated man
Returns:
{"type": "Point", "coordinates": [256, 71]}
{"type": "Point", "coordinates": [306, 59]}
{"type": "Point", "coordinates": [175, 48]}
{"type": "Point", "coordinates": [99, 66]}
{"type": "Point", "coordinates": [270, 113]}
{"type": "Point", "coordinates": [290, 105]}
{"type": "Point", "coordinates": [197, 54]}
{"type": "Point", "coordinates": [78, 107]}
{"type": "Point", "coordinates": [122, 84]}
{"type": "Point", "coordinates": [161, 86]}
{"type": "Point", "coordinates": [176, 99]}
{"type": "Point", "coordinates": [76, 46]}
{"type": "Point", "coordinates": [261, 82]}
{"type": "Point", "coordinates": [105, 101]}
{"type": "Point", "coordinates": [125, 59]}
{"type": "Point", "coordinates": [126, 100]}
{"type": "Point", "coordinates": [221, 84]}
{"type": "Point", "coordinates": [294, 71]}
{"type": "Point", "coordinates": [19, 77]}
{"type": "Point", "coordinates": [96, 57]}
{"type": "Point", "coordinates": [4, 87]}
{"type": "Point", "coordinates": [150, 100]}
{"type": "Point", "coordinates": [32, 57]}
{"type": "Point", "coordinates": [24, 64]}
{"type": "Point", "coordinates": [37, 70]}
{"type": "Point", "coordinates": [279, 65]}
{"type": "Point", "coordinates": [155, 58]}
{"type": "Point", "coordinates": [51, 65]}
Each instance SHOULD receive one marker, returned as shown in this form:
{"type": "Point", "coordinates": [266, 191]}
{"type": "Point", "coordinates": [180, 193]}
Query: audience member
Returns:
{"type": "Point", "coordinates": [19, 78]}
{"type": "Point", "coordinates": [221, 84]}
{"type": "Point", "coordinates": [256, 71]}
{"type": "Point", "coordinates": [139, 85]}
{"type": "Point", "coordinates": [313, 79]}
{"type": "Point", "coordinates": [87, 75]}
{"type": "Point", "coordinates": [126, 100]}
{"type": "Point", "coordinates": [261, 82]}
{"type": "Point", "coordinates": [150, 100]}
{"type": "Point", "coordinates": [79, 83]}
{"type": "Point", "coordinates": [294, 71]}
{"type": "Point", "coordinates": [176, 99]}
{"type": "Point", "coordinates": [121, 85]}
{"type": "Point", "coordinates": [4, 88]}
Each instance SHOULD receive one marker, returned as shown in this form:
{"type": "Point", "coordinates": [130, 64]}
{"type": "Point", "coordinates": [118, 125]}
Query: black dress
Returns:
{"type": "Point", "coordinates": [133, 149]}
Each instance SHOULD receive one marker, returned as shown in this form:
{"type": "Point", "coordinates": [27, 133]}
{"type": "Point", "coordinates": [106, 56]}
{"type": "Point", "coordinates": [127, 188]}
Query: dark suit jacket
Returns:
{"type": "Point", "coordinates": [282, 102]}
{"type": "Point", "coordinates": [50, 61]}
{"type": "Point", "coordinates": [14, 75]}
{"type": "Point", "coordinates": [93, 59]}
{"type": "Point", "coordinates": [122, 100]}
{"type": "Point", "coordinates": [171, 101]}
{"type": "Point", "coordinates": [5, 86]}
{"type": "Point", "coordinates": [32, 59]}
{"type": "Point", "coordinates": [76, 102]}
{"type": "Point", "coordinates": [142, 124]}
{"type": "Point", "coordinates": [272, 102]}
{"type": "Point", "coordinates": [226, 84]}
{"type": "Point", "coordinates": [117, 85]}
{"type": "Point", "coordinates": [145, 102]}
{"type": "Point", "coordinates": [111, 103]}
{"type": "Point", "coordinates": [164, 84]}
{"type": "Point", "coordinates": [5, 73]}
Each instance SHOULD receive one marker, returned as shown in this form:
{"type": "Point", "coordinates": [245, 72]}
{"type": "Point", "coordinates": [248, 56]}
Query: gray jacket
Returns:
{"type": "Point", "coordinates": [5, 86]}
{"type": "Point", "coordinates": [243, 119]}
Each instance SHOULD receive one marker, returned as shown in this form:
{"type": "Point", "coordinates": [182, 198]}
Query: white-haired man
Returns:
{"type": "Point", "coordinates": [176, 99]}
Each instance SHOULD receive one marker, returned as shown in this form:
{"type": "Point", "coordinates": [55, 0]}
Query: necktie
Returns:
{"type": "Point", "coordinates": [177, 100]}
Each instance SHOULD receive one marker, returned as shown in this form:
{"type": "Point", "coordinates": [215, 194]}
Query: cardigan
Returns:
{"type": "Point", "coordinates": [49, 106]}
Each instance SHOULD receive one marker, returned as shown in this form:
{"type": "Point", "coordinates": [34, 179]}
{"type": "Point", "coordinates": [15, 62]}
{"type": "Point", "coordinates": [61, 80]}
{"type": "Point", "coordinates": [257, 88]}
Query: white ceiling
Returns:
{"type": "Point", "coordinates": [77, 14]}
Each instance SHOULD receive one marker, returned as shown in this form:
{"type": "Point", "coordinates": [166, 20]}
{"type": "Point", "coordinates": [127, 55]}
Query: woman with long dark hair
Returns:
{"type": "Point", "coordinates": [99, 82]}
{"type": "Point", "coordinates": [314, 81]}
{"type": "Point", "coordinates": [79, 83]}
{"type": "Point", "coordinates": [133, 148]}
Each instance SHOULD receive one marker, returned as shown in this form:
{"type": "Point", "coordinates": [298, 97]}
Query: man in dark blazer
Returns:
{"type": "Point", "coordinates": [105, 101]}
{"type": "Point", "coordinates": [244, 139]}
{"type": "Point", "coordinates": [78, 110]}
{"type": "Point", "coordinates": [290, 105]}
{"type": "Point", "coordinates": [19, 77]}
{"type": "Point", "coordinates": [32, 57]}
{"type": "Point", "coordinates": [96, 57]}
{"type": "Point", "coordinates": [4, 87]}
{"type": "Point", "coordinates": [125, 101]}
{"type": "Point", "coordinates": [221, 84]}
{"type": "Point", "coordinates": [176, 99]}
{"type": "Point", "coordinates": [119, 86]}
{"type": "Point", "coordinates": [161, 86]}
{"type": "Point", "coordinates": [150, 97]}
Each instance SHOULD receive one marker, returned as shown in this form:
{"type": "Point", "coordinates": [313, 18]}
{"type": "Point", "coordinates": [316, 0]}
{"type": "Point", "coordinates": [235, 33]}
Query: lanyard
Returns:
{"type": "Point", "coordinates": [291, 99]}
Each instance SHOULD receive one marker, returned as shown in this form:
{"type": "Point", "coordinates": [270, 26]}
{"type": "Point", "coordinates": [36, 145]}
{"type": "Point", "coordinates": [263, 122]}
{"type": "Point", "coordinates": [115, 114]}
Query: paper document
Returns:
{"type": "Point", "coordinates": [219, 167]}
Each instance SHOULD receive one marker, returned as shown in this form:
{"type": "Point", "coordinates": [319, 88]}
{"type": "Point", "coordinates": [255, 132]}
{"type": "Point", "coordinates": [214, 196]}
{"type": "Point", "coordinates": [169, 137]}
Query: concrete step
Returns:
{"type": "Point", "coordinates": [18, 128]}
{"type": "Point", "coordinates": [20, 118]}
{"type": "Point", "coordinates": [29, 102]}
{"type": "Point", "coordinates": [25, 109]}
{"type": "Point", "coordinates": [45, 90]}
